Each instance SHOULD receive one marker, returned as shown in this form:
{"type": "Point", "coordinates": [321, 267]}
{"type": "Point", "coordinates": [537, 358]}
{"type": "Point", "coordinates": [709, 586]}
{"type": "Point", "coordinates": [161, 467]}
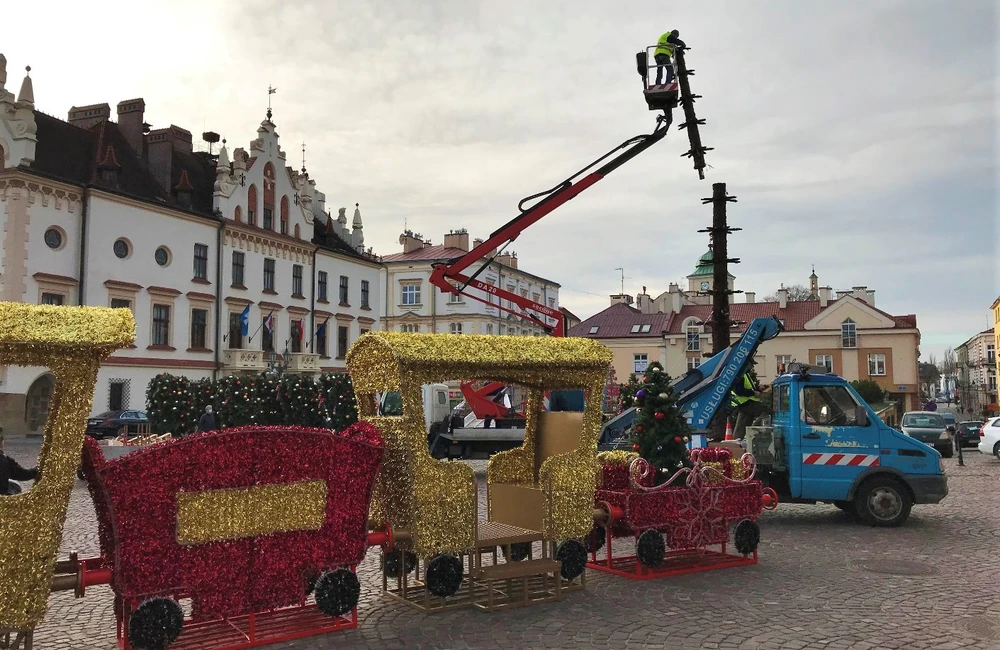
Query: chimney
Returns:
{"type": "Point", "coordinates": [621, 298]}
{"type": "Point", "coordinates": [862, 294]}
{"type": "Point", "coordinates": [427, 244]}
{"type": "Point", "coordinates": [782, 297]}
{"type": "Point", "coordinates": [457, 239]}
{"type": "Point", "coordinates": [824, 296]}
{"type": "Point", "coordinates": [644, 302]}
{"type": "Point", "coordinates": [750, 296]}
{"type": "Point", "coordinates": [513, 260]}
{"type": "Point", "coordinates": [843, 294]}
{"type": "Point", "coordinates": [160, 147]}
{"type": "Point", "coordinates": [130, 123]}
{"type": "Point", "coordinates": [410, 242]}
{"type": "Point", "coordinates": [504, 258]}
{"type": "Point", "coordinates": [87, 116]}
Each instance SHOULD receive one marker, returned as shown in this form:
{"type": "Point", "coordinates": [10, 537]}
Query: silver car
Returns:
{"type": "Point", "coordinates": [930, 428]}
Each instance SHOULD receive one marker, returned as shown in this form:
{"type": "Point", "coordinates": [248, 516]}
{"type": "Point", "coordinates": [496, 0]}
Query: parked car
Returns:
{"type": "Point", "coordinates": [989, 437]}
{"type": "Point", "coordinates": [929, 428]}
{"type": "Point", "coordinates": [110, 423]}
{"type": "Point", "coordinates": [967, 433]}
{"type": "Point", "coordinates": [950, 421]}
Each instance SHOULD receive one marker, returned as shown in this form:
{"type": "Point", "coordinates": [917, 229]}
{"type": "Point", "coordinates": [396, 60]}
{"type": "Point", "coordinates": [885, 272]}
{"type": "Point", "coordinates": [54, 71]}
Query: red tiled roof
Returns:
{"type": "Point", "coordinates": [568, 314]}
{"type": "Point", "coordinates": [616, 322]}
{"type": "Point", "coordinates": [438, 252]}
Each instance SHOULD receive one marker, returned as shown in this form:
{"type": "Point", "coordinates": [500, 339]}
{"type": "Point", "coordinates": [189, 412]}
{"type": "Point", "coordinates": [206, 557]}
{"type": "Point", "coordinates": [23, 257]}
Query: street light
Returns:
{"type": "Point", "coordinates": [276, 367]}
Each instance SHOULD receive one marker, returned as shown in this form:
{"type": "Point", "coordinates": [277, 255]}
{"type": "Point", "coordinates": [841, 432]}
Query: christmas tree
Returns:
{"type": "Point", "coordinates": [235, 401]}
{"type": "Point", "coordinates": [301, 401]}
{"type": "Point", "coordinates": [203, 394]}
{"type": "Point", "coordinates": [661, 433]}
{"type": "Point", "coordinates": [267, 405]}
{"type": "Point", "coordinates": [338, 400]}
{"type": "Point", "coordinates": [627, 391]}
{"type": "Point", "coordinates": [169, 405]}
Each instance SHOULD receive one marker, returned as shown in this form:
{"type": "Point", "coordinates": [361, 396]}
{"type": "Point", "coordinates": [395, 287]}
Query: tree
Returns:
{"type": "Point", "coordinates": [301, 402]}
{"type": "Point", "coordinates": [869, 391]}
{"type": "Point", "coordinates": [202, 394]}
{"type": "Point", "coordinates": [661, 432]}
{"type": "Point", "coordinates": [626, 392]}
{"type": "Point", "coordinates": [169, 405]}
{"type": "Point", "coordinates": [949, 364]}
{"type": "Point", "coordinates": [929, 375]}
{"type": "Point", "coordinates": [796, 292]}
{"type": "Point", "coordinates": [235, 401]}
{"type": "Point", "coordinates": [339, 402]}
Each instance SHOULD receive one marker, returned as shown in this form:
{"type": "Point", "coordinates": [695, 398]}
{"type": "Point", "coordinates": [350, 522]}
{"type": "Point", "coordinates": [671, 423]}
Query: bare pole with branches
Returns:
{"type": "Point", "coordinates": [721, 321]}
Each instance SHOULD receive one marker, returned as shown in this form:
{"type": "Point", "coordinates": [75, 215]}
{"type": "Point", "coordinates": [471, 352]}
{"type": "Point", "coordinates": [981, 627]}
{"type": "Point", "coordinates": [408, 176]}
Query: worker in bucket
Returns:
{"type": "Point", "coordinates": [663, 53]}
{"type": "Point", "coordinates": [746, 399]}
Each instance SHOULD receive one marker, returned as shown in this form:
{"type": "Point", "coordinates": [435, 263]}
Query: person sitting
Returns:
{"type": "Point", "coordinates": [11, 470]}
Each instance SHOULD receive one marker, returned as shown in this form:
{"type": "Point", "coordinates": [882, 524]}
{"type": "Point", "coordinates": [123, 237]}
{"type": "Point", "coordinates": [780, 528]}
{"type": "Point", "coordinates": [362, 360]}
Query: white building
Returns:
{"type": "Point", "coordinates": [977, 372]}
{"type": "Point", "coordinates": [108, 213]}
{"type": "Point", "coordinates": [413, 304]}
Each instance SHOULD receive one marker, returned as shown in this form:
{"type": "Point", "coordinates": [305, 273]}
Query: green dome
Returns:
{"type": "Point", "coordinates": [705, 268]}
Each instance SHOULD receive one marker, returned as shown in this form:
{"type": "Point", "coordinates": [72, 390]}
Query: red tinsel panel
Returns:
{"type": "Point", "coordinates": [238, 575]}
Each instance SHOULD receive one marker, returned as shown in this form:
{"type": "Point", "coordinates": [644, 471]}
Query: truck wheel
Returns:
{"type": "Point", "coordinates": [155, 624]}
{"type": "Point", "coordinates": [337, 592]}
{"type": "Point", "coordinates": [882, 501]}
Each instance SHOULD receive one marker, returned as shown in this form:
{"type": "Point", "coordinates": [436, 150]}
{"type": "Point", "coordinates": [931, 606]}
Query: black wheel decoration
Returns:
{"type": "Point", "coordinates": [155, 624]}
{"type": "Point", "coordinates": [444, 575]}
{"type": "Point", "coordinates": [337, 592]}
{"type": "Point", "coordinates": [573, 555]}
{"type": "Point", "coordinates": [595, 539]}
{"type": "Point", "coordinates": [518, 552]}
{"type": "Point", "coordinates": [746, 537]}
{"type": "Point", "coordinates": [392, 562]}
{"type": "Point", "coordinates": [650, 548]}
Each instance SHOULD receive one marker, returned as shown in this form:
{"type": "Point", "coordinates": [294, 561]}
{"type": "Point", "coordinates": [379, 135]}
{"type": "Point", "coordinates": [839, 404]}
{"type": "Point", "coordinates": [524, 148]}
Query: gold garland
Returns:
{"type": "Point", "coordinates": [71, 342]}
{"type": "Point", "coordinates": [436, 500]}
{"type": "Point", "coordinates": [616, 457]}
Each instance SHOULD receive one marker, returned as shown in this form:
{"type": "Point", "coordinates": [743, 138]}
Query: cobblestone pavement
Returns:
{"type": "Point", "coordinates": [823, 581]}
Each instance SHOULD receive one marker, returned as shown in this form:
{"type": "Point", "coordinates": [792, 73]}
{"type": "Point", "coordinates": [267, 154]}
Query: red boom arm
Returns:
{"type": "Point", "coordinates": [450, 277]}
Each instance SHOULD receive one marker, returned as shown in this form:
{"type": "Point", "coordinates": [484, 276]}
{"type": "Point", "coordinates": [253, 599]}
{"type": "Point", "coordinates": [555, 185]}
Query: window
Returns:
{"type": "Point", "coordinates": [297, 332]}
{"type": "Point", "coordinates": [122, 248]}
{"type": "Point", "coordinates": [635, 329]}
{"type": "Point", "coordinates": [991, 381]}
{"type": "Point", "coordinates": [343, 289]}
{"type": "Point", "coordinates": [235, 331]}
{"type": "Point", "coordinates": [848, 334]}
{"type": "Point", "coordinates": [199, 325]}
{"type": "Point", "coordinates": [268, 219]}
{"type": "Point", "coordinates": [161, 324]}
{"type": "Point", "coordinates": [118, 395]}
{"type": "Point", "coordinates": [321, 341]}
{"type": "Point", "coordinates": [341, 342]}
{"type": "Point", "coordinates": [239, 260]}
{"type": "Point", "coordinates": [284, 216]}
{"type": "Point", "coordinates": [552, 303]}
{"type": "Point", "coordinates": [252, 205]}
{"type": "Point", "coordinates": [364, 295]}
{"type": "Point", "coordinates": [825, 360]}
{"type": "Point", "coordinates": [693, 362]}
{"type": "Point", "coordinates": [54, 238]}
{"type": "Point", "coordinates": [201, 261]}
{"type": "Point", "coordinates": [456, 328]}
{"type": "Point", "coordinates": [593, 330]}
{"type": "Point", "coordinates": [454, 297]}
{"type": "Point", "coordinates": [639, 362]}
{"type": "Point", "coordinates": [876, 364]}
{"type": "Point", "coordinates": [535, 297]}
{"type": "Point", "coordinates": [411, 294]}
{"type": "Point", "coordinates": [830, 406]}
{"type": "Point", "coordinates": [781, 363]}
{"type": "Point", "coordinates": [162, 256]}
{"type": "Point", "coordinates": [645, 328]}
{"type": "Point", "coordinates": [991, 354]}
{"type": "Point", "coordinates": [52, 299]}
{"type": "Point", "coordinates": [121, 303]}
{"type": "Point", "coordinates": [322, 286]}
{"type": "Point", "coordinates": [409, 328]}
{"type": "Point", "coordinates": [489, 328]}
{"type": "Point", "coordinates": [297, 280]}
{"type": "Point", "coordinates": [782, 397]}
{"type": "Point", "coordinates": [693, 338]}
{"type": "Point", "coordinates": [268, 274]}
{"type": "Point", "coordinates": [267, 333]}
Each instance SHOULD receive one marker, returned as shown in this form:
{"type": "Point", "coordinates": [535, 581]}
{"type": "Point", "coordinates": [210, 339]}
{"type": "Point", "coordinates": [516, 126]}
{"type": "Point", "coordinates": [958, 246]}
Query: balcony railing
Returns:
{"type": "Point", "coordinates": [302, 362]}
{"type": "Point", "coordinates": [243, 360]}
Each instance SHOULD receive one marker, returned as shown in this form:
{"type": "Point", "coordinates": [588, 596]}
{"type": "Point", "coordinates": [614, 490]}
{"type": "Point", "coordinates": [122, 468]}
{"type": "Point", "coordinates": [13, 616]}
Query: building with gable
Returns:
{"type": "Point", "coordinates": [843, 331]}
{"type": "Point", "coordinates": [977, 373]}
{"type": "Point", "coordinates": [114, 213]}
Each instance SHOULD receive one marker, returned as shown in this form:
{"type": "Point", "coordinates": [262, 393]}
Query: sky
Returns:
{"type": "Point", "coordinates": [858, 137]}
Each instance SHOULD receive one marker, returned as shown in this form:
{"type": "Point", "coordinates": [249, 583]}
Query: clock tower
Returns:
{"type": "Point", "coordinates": [701, 280]}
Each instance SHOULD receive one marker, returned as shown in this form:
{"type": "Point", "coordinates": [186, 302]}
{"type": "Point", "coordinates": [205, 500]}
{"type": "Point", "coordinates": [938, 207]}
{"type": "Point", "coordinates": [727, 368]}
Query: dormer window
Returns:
{"type": "Point", "coordinates": [593, 330]}
{"type": "Point", "coordinates": [109, 177]}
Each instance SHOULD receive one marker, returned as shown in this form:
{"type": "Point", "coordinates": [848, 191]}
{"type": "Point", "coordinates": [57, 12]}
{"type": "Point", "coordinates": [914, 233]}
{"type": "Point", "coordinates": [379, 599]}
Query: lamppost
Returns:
{"type": "Point", "coordinates": [276, 367]}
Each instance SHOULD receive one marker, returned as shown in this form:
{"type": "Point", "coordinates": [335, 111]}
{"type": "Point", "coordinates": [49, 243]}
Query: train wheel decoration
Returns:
{"type": "Point", "coordinates": [392, 562]}
{"type": "Point", "coordinates": [337, 592]}
{"type": "Point", "coordinates": [444, 575]}
{"type": "Point", "coordinates": [746, 537]}
{"type": "Point", "coordinates": [573, 555]}
{"type": "Point", "coordinates": [155, 624]}
{"type": "Point", "coordinates": [650, 548]}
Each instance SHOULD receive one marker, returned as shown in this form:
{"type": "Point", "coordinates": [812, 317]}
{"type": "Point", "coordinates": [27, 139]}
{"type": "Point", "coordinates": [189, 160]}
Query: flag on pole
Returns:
{"type": "Point", "coordinates": [269, 323]}
{"type": "Point", "coordinates": [245, 321]}
{"type": "Point", "coordinates": [322, 328]}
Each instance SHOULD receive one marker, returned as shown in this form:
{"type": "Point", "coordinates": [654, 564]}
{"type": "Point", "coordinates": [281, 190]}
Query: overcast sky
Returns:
{"type": "Point", "coordinates": [859, 137]}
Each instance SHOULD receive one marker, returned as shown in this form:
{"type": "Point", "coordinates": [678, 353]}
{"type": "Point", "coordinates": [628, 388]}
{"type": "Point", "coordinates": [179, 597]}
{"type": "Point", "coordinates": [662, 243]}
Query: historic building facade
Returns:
{"type": "Point", "coordinates": [977, 373]}
{"type": "Point", "coordinates": [113, 213]}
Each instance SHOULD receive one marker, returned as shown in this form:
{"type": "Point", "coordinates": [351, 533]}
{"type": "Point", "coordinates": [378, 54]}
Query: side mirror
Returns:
{"type": "Point", "coordinates": [861, 416]}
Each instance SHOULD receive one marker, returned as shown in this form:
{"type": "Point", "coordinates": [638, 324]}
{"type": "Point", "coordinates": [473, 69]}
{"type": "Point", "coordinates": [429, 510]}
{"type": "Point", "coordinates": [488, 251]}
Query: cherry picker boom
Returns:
{"type": "Point", "coordinates": [451, 277]}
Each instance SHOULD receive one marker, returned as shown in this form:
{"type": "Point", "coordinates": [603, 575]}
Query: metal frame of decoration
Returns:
{"type": "Point", "coordinates": [699, 513]}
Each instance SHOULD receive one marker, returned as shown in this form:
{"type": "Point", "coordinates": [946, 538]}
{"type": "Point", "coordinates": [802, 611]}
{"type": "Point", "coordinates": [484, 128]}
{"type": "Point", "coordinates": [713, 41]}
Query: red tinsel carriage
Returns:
{"type": "Point", "coordinates": [675, 523]}
{"type": "Point", "coordinates": [238, 528]}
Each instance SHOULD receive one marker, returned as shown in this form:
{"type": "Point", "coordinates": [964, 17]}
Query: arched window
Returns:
{"type": "Point", "coordinates": [297, 235]}
{"type": "Point", "coordinates": [848, 334]}
{"type": "Point", "coordinates": [284, 215]}
{"type": "Point", "coordinates": [693, 332]}
{"type": "Point", "coordinates": [268, 223]}
{"type": "Point", "coordinates": [238, 214]}
{"type": "Point", "coordinates": [252, 205]}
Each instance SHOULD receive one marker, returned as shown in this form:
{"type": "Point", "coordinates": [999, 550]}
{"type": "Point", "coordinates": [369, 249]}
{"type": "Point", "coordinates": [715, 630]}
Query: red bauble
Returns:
{"type": "Point", "coordinates": [678, 439]}
{"type": "Point", "coordinates": [638, 428]}
{"type": "Point", "coordinates": [659, 415]}
{"type": "Point", "coordinates": [635, 447]}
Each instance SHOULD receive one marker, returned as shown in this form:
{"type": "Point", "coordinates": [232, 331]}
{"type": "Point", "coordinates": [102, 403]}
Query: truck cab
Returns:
{"type": "Point", "coordinates": [825, 444]}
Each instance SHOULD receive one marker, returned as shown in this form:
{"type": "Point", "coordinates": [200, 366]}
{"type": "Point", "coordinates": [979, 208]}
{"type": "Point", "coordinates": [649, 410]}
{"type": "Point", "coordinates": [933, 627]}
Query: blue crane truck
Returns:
{"type": "Point", "coordinates": [824, 444]}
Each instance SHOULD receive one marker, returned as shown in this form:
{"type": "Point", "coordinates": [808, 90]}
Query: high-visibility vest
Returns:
{"type": "Point", "coordinates": [663, 47]}
{"type": "Point", "coordinates": [738, 400]}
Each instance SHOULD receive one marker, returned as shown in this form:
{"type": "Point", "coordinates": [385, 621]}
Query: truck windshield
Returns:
{"type": "Point", "coordinates": [391, 405]}
{"type": "Point", "coordinates": [923, 420]}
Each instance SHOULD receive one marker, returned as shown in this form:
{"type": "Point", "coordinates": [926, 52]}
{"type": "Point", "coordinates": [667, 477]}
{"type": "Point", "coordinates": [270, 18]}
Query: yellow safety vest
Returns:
{"type": "Point", "coordinates": [740, 399]}
{"type": "Point", "coordinates": [663, 47]}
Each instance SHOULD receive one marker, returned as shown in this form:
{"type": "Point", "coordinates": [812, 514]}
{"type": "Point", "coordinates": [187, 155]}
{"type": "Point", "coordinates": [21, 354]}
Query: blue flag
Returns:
{"type": "Point", "coordinates": [322, 328]}
{"type": "Point", "coordinates": [245, 321]}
